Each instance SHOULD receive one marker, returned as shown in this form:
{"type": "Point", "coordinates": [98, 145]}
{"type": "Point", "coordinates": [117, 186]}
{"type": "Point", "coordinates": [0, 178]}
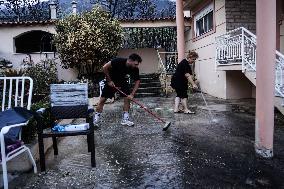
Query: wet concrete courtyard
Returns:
{"type": "Point", "coordinates": [194, 152]}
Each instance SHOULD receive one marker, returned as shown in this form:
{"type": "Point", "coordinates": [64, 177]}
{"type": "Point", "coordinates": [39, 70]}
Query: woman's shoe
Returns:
{"type": "Point", "coordinates": [177, 112]}
{"type": "Point", "coordinates": [188, 112]}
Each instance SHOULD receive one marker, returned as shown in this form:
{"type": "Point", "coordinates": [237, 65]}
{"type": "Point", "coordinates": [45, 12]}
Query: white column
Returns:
{"type": "Point", "coordinates": [265, 76]}
{"type": "Point", "coordinates": [180, 30]}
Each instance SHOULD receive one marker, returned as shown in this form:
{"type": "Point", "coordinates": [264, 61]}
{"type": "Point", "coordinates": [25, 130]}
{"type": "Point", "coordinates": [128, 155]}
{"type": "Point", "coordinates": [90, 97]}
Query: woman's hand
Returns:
{"type": "Point", "coordinates": [194, 86]}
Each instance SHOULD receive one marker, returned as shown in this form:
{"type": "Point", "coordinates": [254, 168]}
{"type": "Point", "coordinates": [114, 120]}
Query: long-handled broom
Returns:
{"type": "Point", "coordinates": [167, 123]}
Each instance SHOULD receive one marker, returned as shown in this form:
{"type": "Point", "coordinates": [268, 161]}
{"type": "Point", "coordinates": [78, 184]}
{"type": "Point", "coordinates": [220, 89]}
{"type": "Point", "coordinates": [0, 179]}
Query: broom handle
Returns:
{"type": "Point", "coordinates": [141, 105]}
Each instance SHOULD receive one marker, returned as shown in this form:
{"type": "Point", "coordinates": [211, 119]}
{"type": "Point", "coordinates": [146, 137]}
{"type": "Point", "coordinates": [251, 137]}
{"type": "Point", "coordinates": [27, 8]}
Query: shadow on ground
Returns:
{"type": "Point", "coordinates": [194, 153]}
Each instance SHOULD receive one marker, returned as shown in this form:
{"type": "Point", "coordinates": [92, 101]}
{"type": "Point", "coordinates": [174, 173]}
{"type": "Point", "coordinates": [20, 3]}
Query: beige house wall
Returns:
{"type": "Point", "coordinates": [149, 59]}
{"type": "Point", "coordinates": [238, 86]}
{"type": "Point", "coordinates": [9, 33]}
{"type": "Point", "coordinates": [222, 84]}
{"type": "Point", "coordinates": [211, 82]}
{"type": "Point", "coordinates": [7, 51]}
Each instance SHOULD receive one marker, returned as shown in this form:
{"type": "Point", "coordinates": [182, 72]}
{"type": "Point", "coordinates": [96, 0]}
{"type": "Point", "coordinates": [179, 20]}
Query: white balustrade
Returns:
{"type": "Point", "coordinates": [166, 67]}
{"type": "Point", "coordinates": [239, 47]}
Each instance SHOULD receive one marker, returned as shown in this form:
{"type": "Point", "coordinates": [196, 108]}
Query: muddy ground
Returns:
{"type": "Point", "coordinates": [194, 153]}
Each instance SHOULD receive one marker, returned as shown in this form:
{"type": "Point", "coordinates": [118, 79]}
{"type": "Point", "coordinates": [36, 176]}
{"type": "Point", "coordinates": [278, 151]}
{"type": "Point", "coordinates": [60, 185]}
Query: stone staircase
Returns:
{"type": "Point", "coordinates": [278, 100]}
{"type": "Point", "coordinates": [236, 50]}
{"type": "Point", "coordinates": [150, 86]}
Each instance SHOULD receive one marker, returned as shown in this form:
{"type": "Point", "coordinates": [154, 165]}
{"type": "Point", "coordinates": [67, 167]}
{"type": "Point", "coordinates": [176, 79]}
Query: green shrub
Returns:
{"type": "Point", "coordinates": [43, 74]}
{"type": "Point", "coordinates": [30, 131]}
{"type": "Point", "coordinates": [5, 65]}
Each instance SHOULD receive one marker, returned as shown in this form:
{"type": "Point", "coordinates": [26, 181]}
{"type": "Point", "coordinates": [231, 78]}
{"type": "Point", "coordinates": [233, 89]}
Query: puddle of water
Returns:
{"type": "Point", "coordinates": [217, 107]}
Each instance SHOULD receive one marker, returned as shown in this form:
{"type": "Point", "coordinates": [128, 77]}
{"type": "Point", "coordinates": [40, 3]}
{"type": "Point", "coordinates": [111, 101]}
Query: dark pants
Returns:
{"type": "Point", "coordinates": [108, 92]}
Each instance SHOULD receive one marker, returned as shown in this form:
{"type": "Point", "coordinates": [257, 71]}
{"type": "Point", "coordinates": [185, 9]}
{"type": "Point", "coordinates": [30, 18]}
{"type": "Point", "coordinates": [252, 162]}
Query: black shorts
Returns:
{"type": "Point", "coordinates": [108, 92]}
{"type": "Point", "coordinates": [182, 93]}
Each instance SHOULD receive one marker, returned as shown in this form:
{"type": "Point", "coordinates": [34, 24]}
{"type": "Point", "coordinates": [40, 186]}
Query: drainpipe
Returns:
{"type": "Point", "coordinates": [52, 7]}
{"type": "Point", "coordinates": [74, 7]}
{"type": "Point", "coordinates": [265, 76]}
{"type": "Point", "coordinates": [180, 30]}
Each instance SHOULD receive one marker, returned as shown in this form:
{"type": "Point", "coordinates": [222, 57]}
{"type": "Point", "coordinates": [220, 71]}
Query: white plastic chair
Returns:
{"type": "Point", "coordinates": [102, 85]}
{"type": "Point", "coordinates": [13, 95]}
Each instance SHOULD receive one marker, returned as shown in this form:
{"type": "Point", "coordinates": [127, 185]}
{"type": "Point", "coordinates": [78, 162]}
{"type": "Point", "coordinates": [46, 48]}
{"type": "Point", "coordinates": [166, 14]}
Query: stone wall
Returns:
{"type": "Point", "coordinates": [241, 13]}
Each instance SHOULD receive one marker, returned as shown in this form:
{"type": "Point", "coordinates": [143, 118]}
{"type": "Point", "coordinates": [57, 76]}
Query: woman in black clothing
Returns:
{"type": "Point", "coordinates": [180, 79]}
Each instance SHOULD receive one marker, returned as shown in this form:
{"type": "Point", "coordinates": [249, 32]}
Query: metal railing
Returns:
{"type": "Point", "coordinates": [238, 47]}
{"type": "Point", "coordinates": [170, 61]}
{"type": "Point", "coordinates": [279, 74]}
{"type": "Point", "coordinates": [166, 67]}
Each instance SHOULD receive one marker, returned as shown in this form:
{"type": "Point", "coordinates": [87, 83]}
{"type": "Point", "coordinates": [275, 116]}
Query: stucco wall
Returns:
{"type": "Point", "coordinates": [241, 13]}
{"type": "Point", "coordinates": [7, 51]}
{"type": "Point", "coordinates": [222, 84]}
{"type": "Point", "coordinates": [238, 86]}
{"type": "Point", "coordinates": [212, 82]}
{"type": "Point", "coordinates": [7, 35]}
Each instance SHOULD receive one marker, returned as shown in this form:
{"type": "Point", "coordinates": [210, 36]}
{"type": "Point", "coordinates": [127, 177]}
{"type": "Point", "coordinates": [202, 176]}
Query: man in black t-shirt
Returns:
{"type": "Point", "coordinates": [115, 72]}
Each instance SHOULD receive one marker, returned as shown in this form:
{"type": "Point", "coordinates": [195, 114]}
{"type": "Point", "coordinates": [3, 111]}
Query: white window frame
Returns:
{"type": "Point", "coordinates": [205, 11]}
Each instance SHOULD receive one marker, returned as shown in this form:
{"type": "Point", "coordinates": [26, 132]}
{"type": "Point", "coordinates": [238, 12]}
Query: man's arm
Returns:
{"type": "Point", "coordinates": [136, 86]}
{"type": "Point", "coordinates": [106, 68]}
{"type": "Point", "coordinates": [189, 77]}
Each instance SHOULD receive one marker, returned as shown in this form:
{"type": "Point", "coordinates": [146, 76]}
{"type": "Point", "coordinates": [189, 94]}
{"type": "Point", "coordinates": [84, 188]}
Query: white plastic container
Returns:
{"type": "Point", "coordinates": [78, 127]}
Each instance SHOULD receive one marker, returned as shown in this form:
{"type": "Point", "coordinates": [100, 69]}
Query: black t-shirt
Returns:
{"type": "Point", "coordinates": [119, 71]}
{"type": "Point", "coordinates": [179, 80]}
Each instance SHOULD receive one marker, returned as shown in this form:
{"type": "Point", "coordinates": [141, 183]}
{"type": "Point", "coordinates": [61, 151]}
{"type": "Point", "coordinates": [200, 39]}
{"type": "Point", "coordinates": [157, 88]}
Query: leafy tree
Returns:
{"type": "Point", "coordinates": [87, 41]}
{"type": "Point", "coordinates": [129, 8]}
{"type": "Point", "coordinates": [5, 65]}
{"type": "Point", "coordinates": [169, 10]}
{"type": "Point", "coordinates": [146, 9]}
{"type": "Point", "coordinates": [18, 10]}
{"type": "Point", "coordinates": [114, 7]}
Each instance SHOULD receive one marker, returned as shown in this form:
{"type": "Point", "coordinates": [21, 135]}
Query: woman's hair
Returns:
{"type": "Point", "coordinates": [192, 54]}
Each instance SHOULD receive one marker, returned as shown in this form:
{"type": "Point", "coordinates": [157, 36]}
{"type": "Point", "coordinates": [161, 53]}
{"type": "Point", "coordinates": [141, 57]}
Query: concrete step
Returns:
{"type": "Point", "coordinates": [154, 76]}
{"type": "Point", "coordinates": [140, 95]}
{"type": "Point", "coordinates": [149, 90]}
{"type": "Point", "coordinates": [150, 84]}
{"type": "Point", "coordinates": [149, 80]}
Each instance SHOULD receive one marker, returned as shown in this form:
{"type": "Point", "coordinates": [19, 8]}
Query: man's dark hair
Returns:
{"type": "Point", "coordinates": [135, 57]}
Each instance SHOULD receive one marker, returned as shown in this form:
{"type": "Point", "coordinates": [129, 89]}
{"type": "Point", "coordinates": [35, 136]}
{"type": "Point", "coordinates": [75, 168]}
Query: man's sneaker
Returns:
{"type": "Point", "coordinates": [96, 121]}
{"type": "Point", "coordinates": [96, 118]}
{"type": "Point", "coordinates": [126, 122]}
